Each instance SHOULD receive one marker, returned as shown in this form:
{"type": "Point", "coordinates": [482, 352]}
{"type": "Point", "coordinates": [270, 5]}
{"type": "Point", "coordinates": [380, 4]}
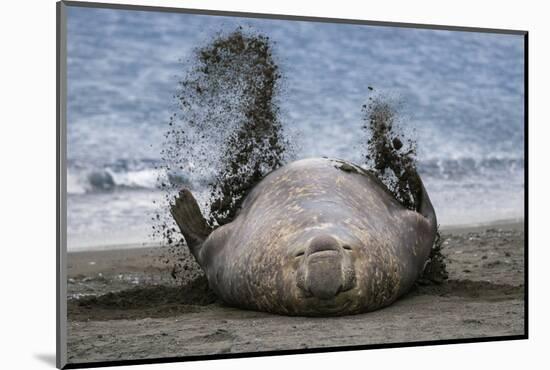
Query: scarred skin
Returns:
{"type": "Point", "coordinates": [317, 237]}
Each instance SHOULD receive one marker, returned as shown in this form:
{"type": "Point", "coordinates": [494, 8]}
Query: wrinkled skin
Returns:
{"type": "Point", "coordinates": [318, 237]}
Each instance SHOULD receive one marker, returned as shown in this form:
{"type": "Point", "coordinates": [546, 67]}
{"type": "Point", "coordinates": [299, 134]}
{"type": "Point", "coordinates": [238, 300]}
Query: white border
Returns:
{"type": "Point", "coordinates": [28, 181]}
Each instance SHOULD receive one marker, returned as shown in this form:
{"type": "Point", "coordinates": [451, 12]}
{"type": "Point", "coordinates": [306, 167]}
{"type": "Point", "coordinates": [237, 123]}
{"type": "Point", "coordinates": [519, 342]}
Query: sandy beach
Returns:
{"type": "Point", "coordinates": [126, 304]}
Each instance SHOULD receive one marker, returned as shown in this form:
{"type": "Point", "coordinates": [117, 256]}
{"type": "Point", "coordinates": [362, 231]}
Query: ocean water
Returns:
{"type": "Point", "coordinates": [461, 96]}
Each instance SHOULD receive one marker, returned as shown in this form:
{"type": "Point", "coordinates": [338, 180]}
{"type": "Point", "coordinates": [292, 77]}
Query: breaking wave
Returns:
{"type": "Point", "coordinates": [117, 177]}
{"type": "Point", "coordinates": [110, 178]}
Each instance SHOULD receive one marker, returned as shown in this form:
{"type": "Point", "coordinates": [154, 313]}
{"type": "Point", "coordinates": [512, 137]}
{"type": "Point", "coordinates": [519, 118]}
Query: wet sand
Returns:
{"type": "Point", "coordinates": [125, 304]}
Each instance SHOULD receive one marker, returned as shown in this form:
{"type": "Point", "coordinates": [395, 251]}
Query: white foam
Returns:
{"type": "Point", "coordinates": [146, 178]}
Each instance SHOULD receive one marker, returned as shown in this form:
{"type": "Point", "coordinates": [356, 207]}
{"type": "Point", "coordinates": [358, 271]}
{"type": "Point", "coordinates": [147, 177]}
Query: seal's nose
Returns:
{"type": "Point", "coordinates": [324, 267]}
{"type": "Point", "coordinates": [323, 243]}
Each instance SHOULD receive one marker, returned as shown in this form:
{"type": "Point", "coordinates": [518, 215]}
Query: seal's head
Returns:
{"type": "Point", "coordinates": [314, 271]}
{"type": "Point", "coordinates": [326, 268]}
{"type": "Point", "coordinates": [325, 271]}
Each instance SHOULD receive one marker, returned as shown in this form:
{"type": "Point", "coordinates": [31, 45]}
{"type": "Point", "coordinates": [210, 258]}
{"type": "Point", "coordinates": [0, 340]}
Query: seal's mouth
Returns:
{"type": "Point", "coordinates": [329, 253]}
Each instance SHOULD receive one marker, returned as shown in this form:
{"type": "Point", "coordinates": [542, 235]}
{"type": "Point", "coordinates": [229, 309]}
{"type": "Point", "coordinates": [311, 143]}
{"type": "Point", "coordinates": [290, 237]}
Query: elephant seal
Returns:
{"type": "Point", "coordinates": [315, 237]}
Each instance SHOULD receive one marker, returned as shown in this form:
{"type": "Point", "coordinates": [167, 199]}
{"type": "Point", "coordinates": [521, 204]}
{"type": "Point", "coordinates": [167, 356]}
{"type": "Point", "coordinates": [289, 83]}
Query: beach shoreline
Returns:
{"type": "Point", "coordinates": [127, 304]}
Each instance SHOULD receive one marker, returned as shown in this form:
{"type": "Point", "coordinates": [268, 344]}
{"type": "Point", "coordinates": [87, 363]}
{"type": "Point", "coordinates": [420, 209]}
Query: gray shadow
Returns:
{"type": "Point", "coordinates": [47, 358]}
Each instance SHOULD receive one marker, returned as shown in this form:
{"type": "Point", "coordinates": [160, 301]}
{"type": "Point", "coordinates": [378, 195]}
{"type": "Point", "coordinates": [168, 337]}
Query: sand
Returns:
{"type": "Point", "coordinates": [126, 305]}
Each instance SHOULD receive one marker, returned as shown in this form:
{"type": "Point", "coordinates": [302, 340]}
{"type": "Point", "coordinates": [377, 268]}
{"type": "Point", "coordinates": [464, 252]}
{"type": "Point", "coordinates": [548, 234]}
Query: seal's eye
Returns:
{"type": "Point", "coordinates": [347, 247]}
{"type": "Point", "coordinates": [299, 254]}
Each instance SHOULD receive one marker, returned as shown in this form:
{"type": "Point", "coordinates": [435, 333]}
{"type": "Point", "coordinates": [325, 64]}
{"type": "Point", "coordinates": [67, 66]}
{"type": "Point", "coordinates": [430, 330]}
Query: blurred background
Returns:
{"type": "Point", "coordinates": [461, 95]}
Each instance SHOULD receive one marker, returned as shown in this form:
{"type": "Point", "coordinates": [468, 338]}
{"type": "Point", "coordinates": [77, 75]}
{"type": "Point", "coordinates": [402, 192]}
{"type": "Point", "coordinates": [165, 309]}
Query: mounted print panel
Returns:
{"type": "Point", "coordinates": [237, 184]}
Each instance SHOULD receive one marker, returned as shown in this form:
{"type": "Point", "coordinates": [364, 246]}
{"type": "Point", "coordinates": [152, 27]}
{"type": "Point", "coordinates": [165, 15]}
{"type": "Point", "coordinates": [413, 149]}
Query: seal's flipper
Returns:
{"type": "Point", "coordinates": [188, 216]}
{"type": "Point", "coordinates": [434, 269]}
{"type": "Point", "coordinates": [422, 200]}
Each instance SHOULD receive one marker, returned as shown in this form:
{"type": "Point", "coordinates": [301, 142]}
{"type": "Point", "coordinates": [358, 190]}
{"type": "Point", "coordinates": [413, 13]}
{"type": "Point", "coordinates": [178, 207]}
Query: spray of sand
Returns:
{"type": "Point", "coordinates": [392, 158]}
{"type": "Point", "coordinates": [226, 135]}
